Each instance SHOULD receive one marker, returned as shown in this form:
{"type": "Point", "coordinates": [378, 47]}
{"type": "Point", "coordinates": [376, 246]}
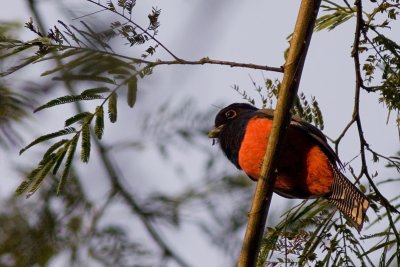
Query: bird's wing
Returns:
{"type": "Point", "coordinates": [309, 129]}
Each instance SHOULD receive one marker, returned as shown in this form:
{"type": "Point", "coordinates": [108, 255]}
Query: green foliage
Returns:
{"type": "Point", "coordinates": [68, 130]}
{"type": "Point", "coordinates": [382, 54]}
{"type": "Point", "coordinates": [85, 154]}
{"type": "Point", "coordinates": [269, 94]}
{"type": "Point", "coordinates": [82, 55]}
{"type": "Point", "coordinates": [132, 91]}
{"type": "Point", "coordinates": [67, 99]}
{"type": "Point", "coordinates": [310, 235]}
{"type": "Point", "coordinates": [337, 16]}
{"type": "Point", "coordinates": [112, 107]}
{"type": "Point", "coordinates": [14, 108]}
{"type": "Point", "coordinates": [99, 123]}
{"type": "Point", "coordinates": [95, 91]}
{"type": "Point", "coordinates": [244, 95]}
{"type": "Point", "coordinates": [310, 113]}
{"type": "Point", "coordinates": [68, 162]}
{"type": "Point", "coordinates": [84, 116]}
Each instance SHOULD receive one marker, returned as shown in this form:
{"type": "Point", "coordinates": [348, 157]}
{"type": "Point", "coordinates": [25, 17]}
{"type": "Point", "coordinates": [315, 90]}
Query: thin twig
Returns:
{"type": "Point", "coordinates": [151, 36]}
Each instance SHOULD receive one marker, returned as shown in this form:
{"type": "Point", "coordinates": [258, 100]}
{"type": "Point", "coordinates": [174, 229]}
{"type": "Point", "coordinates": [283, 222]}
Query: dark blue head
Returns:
{"type": "Point", "coordinates": [230, 126]}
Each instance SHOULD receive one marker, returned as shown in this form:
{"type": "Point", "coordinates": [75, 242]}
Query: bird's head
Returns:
{"type": "Point", "coordinates": [229, 114]}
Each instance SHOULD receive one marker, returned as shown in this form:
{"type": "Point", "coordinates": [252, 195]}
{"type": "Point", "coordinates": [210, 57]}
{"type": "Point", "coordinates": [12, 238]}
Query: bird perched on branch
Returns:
{"type": "Point", "coordinates": [307, 167]}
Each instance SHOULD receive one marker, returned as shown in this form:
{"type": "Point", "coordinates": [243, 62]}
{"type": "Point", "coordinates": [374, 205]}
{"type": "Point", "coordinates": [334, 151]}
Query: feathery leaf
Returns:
{"type": "Point", "coordinates": [67, 99]}
{"type": "Point", "coordinates": [46, 137]}
{"type": "Point", "coordinates": [112, 107]}
{"type": "Point", "coordinates": [82, 77]}
{"type": "Point", "coordinates": [23, 187]}
{"type": "Point", "coordinates": [46, 162]}
{"type": "Point", "coordinates": [99, 123]}
{"type": "Point", "coordinates": [42, 174]}
{"type": "Point", "coordinates": [68, 163]}
{"type": "Point", "coordinates": [78, 117]}
{"type": "Point", "coordinates": [60, 157]}
{"type": "Point", "coordinates": [54, 147]}
{"type": "Point", "coordinates": [71, 64]}
{"type": "Point", "coordinates": [67, 53]}
{"type": "Point", "coordinates": [26, 62]}
{"type": "Point", "coordinates": [132, 90]}
{"type": "Point", "coordinates": [85, 153]}
{"type": "Point", "coordinates": [95, 91]}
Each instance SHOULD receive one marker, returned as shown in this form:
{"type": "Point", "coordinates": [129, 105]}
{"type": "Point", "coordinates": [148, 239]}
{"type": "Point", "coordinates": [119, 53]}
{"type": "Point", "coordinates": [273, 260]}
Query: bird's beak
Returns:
{"type": "Point", "coordinates": [214, 133]}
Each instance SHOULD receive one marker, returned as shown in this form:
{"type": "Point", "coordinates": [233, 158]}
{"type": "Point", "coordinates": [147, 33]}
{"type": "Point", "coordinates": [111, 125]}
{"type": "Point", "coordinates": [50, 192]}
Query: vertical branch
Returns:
{"type": "Point", "coordinates": [360, 24]}
{"type": "Point", "coordinates": [291, 79]}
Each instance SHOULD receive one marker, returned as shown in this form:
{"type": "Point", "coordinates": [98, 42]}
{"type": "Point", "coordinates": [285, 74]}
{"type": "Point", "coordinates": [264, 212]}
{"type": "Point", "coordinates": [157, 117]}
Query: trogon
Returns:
{"type": "Point", "coordinates": [308, 167]}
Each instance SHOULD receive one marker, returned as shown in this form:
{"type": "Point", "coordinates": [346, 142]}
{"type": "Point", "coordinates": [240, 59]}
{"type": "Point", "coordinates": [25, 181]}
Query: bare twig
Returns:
{"type": "Point", "coordinates": [151, 36]}
{"type": "Point", "coordinates": [291, 79]}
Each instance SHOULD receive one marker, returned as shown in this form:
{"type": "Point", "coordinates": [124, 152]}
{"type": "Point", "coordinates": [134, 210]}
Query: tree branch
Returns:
{"type": "Point", "coordinates": [202, 61]}
{"type": "Point", "coordinates": [291, 79]}
{"type": "Point", "coordinates": [135, 207]}
{"type": "Point", "coordinates": [356, 115]}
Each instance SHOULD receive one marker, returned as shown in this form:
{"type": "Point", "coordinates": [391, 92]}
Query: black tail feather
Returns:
{"type": "Point", "coordinates": [348, 199]}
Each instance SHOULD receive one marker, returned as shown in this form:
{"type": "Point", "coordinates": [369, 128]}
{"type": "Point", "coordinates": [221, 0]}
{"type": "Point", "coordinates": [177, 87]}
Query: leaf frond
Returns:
{"type": "Point", "coordinates": [132, 91]}
{"type": "Point", "coordinates": [99, 122]}
{"type": "Point", "coordinates": [68, 162]}
{"type": "Point", "coordinates": [78, 117]}
{"type": "Point", "coordinates": [46, 137]}
{"type": "Point", "coordinates": [67, 99]}
{"type": "Point", "coordinates": [112, 107]}
{"type": "Point", "coordinates": [85, 152]}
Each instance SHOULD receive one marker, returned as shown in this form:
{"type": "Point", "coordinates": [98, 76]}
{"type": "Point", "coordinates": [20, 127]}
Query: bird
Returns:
{"type": "Point", "coordinates": [307, 168]}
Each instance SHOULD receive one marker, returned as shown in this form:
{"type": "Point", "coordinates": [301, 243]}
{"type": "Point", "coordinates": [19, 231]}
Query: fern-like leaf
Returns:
{"type": "Point", "coordinates": [26, 62]}
{"type": "Point", "coordinates": [78, 117]}
{"type": "Point", "coordinates": [66, 54]}
{"type": "Point", "coordinates": [82, 77]}
{"type": "Point", "coordinates": [46, 137]}
{"type": "Point", "coordinates": [67, 99]}
{"type": "Point", "coordinates": [132, 90]}
{"type": "Point", "coordinates": [110, 5]}
{"type": "Point", "coordinates": [42, 174]}
{"type": "Point", "coordinates": [85, 153]}
{"type": "Point", "coordinates": [112, 107]}
{"type": "Point", "coordinates": [99, 122]}
{"type": "Point", "coordinates": [43, 168]}
{"type": "Point", "coordinates": [95, 91]}
{"type": "Point", "coordinates": [54, 147]}
{"type": "Point", "coordinates": [60, 157]}
{"type": "Point", "coordinates": [23, 187]}
{"type": "Point", "coordinates": [72, 63]}
{"type": "Point", "coordinates": [68, 163]}
{"type": "Point", "coordinates": [331, 21]}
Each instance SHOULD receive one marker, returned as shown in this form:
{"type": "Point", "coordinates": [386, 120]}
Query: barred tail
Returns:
{"type": "Point", "coordinates": [348, 199]}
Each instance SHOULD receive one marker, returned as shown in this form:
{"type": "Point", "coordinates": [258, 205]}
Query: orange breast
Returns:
{"type": "Point", "coordinates": [304, 170]}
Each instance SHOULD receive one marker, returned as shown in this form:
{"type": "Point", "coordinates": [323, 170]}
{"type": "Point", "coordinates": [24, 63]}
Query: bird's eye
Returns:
{"type": "Point", "coordinates": [230, 114]}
